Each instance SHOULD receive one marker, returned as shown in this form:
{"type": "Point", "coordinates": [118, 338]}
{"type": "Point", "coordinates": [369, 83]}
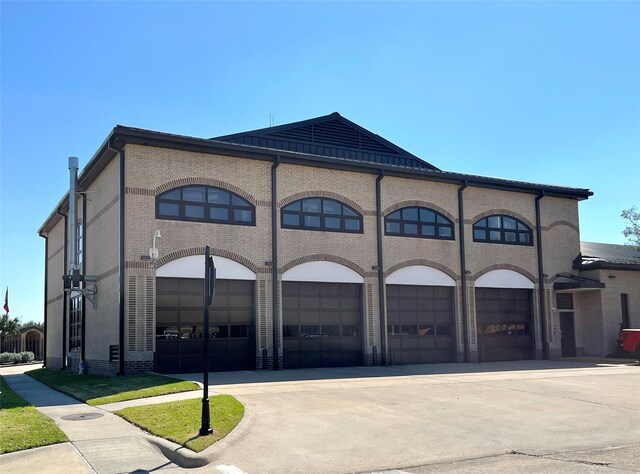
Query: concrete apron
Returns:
{"type": "Point", "coordinates": [107, 443]}
{"type": "Point", "coordinates": [363, 419]}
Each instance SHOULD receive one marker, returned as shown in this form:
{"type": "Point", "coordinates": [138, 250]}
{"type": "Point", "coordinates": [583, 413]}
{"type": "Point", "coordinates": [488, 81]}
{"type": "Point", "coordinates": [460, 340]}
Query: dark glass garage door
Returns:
{"type": "Point", "coordinates": [179, 326]}
{"type": "Point", "coordinates": [420, 324]}
{"type": "Point", "coordinates": [322, 324]}
{"type": "Point", "coordinates": [504, 324]}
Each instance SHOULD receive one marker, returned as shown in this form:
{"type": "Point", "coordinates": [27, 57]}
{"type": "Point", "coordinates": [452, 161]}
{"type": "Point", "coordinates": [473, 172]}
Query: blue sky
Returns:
{"type": "Point", "coordinates": [537, 91]}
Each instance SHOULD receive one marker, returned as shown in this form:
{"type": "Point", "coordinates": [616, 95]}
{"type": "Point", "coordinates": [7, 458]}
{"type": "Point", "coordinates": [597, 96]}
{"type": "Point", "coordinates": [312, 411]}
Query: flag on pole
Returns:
{"type": "Point", "coordinates": [6, 301]}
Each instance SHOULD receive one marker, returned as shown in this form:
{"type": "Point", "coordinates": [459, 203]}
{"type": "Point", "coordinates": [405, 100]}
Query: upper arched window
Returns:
{"type": "Point", "coordinates": [205, 204]}
{"type": "Point", "coordinates": [503, 230]}
{"type": "Point", "coordinates": [419, 222]}
{"type": "Point", "coordinates": [319, 213]}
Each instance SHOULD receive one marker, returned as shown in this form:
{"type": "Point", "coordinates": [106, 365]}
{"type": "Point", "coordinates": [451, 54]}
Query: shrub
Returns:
{"type": "Point", "coordinates": [16, 357]}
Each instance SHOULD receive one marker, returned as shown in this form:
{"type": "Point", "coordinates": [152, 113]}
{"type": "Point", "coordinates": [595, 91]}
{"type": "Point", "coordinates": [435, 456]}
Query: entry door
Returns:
{"type": "Point", "coordinates": [568, 340]}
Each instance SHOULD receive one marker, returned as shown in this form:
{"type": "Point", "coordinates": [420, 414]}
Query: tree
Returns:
{"type": "Point", "coordinates": [632, 231]}
{"type": "Point", "coordinates": [38, 324]}
{"type": "Point", "coordinates": [9, 326]}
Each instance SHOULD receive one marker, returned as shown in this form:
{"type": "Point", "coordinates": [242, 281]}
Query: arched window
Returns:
{"type": "Point", "coordinates": [501, 229]}
{"type": "Point", "coordinates": [205, 204]}
{"type": "Point", "coordinates": [419, 222]}
{"type": "Point", "coordinates": [318, 213]}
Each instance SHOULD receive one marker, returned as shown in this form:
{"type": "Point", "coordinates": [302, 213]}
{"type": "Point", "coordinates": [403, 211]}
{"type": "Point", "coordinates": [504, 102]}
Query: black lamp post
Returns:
{"type": "Point", "coordinates": [209, 291]}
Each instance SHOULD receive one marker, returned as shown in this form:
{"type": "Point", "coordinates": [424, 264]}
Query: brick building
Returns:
{"type": "Point", "coordinates": [380, 257]}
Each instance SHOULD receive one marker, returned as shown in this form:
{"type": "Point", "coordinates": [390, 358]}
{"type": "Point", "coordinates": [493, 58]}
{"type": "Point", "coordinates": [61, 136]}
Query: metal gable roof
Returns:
{"type": "Point", "coordinates": [332, 136]}
{"type": "Point", "coordinates": [598, 255]}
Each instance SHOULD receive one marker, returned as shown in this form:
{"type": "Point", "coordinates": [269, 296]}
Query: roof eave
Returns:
{"type": "Point", "coordinates": [121, 135]}
{"type": "Point", "coordinates": [149, 137]}
{"type": "Point", "coordinates": [634, 267]}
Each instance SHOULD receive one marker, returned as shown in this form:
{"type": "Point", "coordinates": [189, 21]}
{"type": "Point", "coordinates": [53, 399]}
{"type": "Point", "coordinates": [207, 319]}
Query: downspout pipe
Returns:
{"type": "Point", "coordinates": [463, 273]}
{"type": "Point", "coordinates": [381, 288]}
{"type": "Point", "coordinates": [46, 274]}
{"type": "Point", "coordinates": [541, 289]}
{"type": "Point", "coordinates": [83, 326]}
{"type": "Point", "coordinates": [121, 351]}
{"type": "Point", "coordinates": [274, 259]}
{"type": "Point", "coordinates": [64, 293]}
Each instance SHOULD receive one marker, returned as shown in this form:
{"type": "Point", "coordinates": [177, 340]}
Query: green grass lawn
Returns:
{"type": "Point", "coordinates": [98, 390]}
{"type": "Point", "coordinates": [22, 426]}
{"type": "Point", "coordinates": [180, 421]}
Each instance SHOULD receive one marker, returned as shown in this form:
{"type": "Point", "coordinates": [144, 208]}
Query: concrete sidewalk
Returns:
{"type": "Point", "coordinates": [99, 440]}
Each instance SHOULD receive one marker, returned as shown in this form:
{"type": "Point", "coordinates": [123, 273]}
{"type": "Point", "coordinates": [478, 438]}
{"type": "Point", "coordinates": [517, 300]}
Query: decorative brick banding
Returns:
{"type": "Point", "coordinates": [214, 251]}
{"type": "Point", "coordinates": [503, 266]}
{"type": "Point", "coordinates": [176, 183]}
{"type": "Point", "coordinates": [327, 194]}
{"type": "Point", "coordinates": [564, 223]}
{"type": "Point", "coordinates": [422, 262]}
{"type": "Point", "coordinates": [323, 257]}
{"type": "Point", "coordinates": [416, 203]}
{"type": "Point", "coordinates": [505, 212]}
{"type": "Point", "coordinates": [101, 212]}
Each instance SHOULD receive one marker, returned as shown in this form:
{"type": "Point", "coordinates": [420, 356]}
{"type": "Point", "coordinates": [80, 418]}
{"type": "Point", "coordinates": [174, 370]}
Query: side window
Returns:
{"type": "Point", "coordinates": [419, 222]}
{"type": "Point", "coordinates": [502, 229]}
{"type": "Point", "coordinates": [318, 213]}
{"type": "Point", "coordinates": [205, 204]}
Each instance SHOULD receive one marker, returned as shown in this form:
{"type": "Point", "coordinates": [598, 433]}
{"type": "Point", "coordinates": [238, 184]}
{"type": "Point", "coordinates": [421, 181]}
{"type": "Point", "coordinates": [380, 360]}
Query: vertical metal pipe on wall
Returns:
{"type": "Point", "coordinates": [543, 322]}
{"type": "Point", "coordinates": [64, 293]}
{"type": "Point", "coordinates": [122, 273]}
{"type": "Point", "coordinates": [120, 151]}
{"type": "Point", "coordinates": [83, 323]}
{"type": "Point", "coordinates": [274, 258]}
{"type": "Point", "coordinates": [463, 272]}
{"type": "Point", "coordinates": [46, 273]}
{"type": "Point", "coordinates": [379, 223]}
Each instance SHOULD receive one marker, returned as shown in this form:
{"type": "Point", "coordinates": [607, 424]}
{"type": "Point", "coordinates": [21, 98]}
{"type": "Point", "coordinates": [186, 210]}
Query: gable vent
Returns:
{"type": "Point", "coordinates": [303, 134]}
{"type": "Point", "coordinates": [334, 133]}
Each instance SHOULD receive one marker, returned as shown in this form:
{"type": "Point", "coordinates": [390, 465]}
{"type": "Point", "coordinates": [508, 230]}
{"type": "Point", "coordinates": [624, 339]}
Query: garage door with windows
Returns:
{"type": "Point", "coordinates": [180, 314]}
{"type": "Point", "coordinates": [322, 321]}
{"type": "Point", "coordinates": [504, 316]}
{"type": "Point", "coordinates": [420, 316]}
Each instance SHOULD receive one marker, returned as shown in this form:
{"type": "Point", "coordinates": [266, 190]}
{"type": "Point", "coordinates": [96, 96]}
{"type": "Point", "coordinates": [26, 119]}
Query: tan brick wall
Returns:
{"type": "Point", "coordinates": [55, 295]}
{"type": "Point", "coordinates": [627, 282]}
{"type": "Point", "coordinates": [560, 234]}
{"type": "Point", "coordinates": [102, 260]}
{"type": "Point", "coordinates": [297, 181]}
{"type": "Point", "coordinates": [482, 202]}
{"type": "Point", "coordinates": [588, 321]}
{"type": "Point", "coordinates": [151, 170]}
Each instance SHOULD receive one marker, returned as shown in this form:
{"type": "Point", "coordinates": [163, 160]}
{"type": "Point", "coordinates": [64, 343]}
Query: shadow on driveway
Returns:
{"type": "Point", "coordinates": [297, 375]}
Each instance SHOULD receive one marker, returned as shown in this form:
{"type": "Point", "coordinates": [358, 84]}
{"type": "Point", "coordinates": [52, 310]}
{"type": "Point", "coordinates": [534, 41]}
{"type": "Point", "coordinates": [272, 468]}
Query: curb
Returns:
{"type": "Point", "coordinates": [185, 458]}
{"type": "Point", "coordinates": [178, 454]}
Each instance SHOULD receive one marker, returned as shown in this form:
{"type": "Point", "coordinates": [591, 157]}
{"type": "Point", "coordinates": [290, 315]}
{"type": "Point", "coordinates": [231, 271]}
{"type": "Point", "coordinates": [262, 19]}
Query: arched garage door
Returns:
{"type": "Point", "coordinates": [322, 316]}
{"type": "Point", "coordinates": [180, 316]}
{"type": "Point", "coordinates": [420, 315]}
{"type": "Point", "coordinates": [504, 316]}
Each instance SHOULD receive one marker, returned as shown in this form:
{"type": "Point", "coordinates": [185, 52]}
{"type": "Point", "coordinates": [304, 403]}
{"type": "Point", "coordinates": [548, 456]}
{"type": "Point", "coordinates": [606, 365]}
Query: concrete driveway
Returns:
{"type": "Point", "coordinates": [376, 418]}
